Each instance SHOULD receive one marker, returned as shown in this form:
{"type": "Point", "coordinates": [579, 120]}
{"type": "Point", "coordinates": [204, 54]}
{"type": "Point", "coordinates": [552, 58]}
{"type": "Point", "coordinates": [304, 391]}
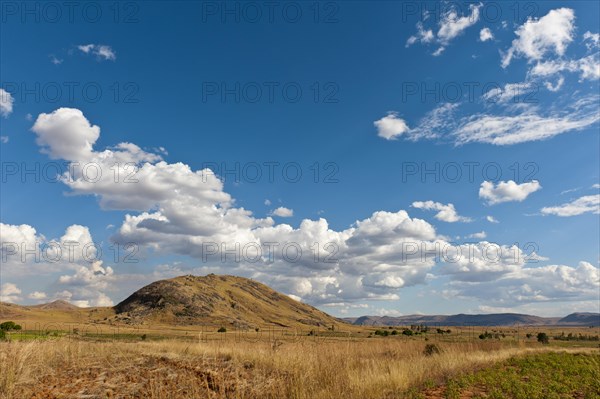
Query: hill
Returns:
{"type": "Point", "coordinates": [498, 319]}
{"type": "Point", "coordinates": [56, 305]}
{"type": "Point", "coordinates": [581, 319]}
{"type": "Point", "coordinates": [218, 300]}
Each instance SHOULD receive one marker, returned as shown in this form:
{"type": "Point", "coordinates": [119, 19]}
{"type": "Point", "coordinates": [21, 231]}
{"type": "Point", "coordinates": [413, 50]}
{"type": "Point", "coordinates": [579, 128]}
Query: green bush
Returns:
{"type": "Point", "coordinates": [9, 325]}
{"type": "Point", "coordinates": [383, 333]}
{"type": "Point", "coordinates": [222, 330]}
{"type": "Point", "coordinates": [543, 338]}
{"type": "Point", "coordinates": [2, 335]}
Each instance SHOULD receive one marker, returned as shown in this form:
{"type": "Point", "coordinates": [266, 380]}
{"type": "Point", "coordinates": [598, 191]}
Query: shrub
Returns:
{"type": "Point", "coordinates": [407, 332]}
{"type": "Point", "coordinates": [543, 338]}
{"type": "Point", "coordinates": [2, 335]}
{"type": "Point", "coordinates": [222, 330]}
{"type": "Point", "coordinates": [431, 349]}
{"type": "Point", "coordinates": [9, 325]}
{"type": "Point", "coordinates": [144, 336]}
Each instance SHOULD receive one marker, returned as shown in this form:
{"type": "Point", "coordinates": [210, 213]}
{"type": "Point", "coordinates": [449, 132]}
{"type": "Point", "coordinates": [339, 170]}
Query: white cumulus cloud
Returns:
{"type": "Point", "coordinates": [537, 37]}
{"type": "Point", "coordinates": [9, 292]}
{"type": "Point", "coordinates": [391, 126]}
{"type": "Point", "coordinates": [507, 191]}
{"type": "Point", "coordinates": [283, 212]}
{"type": "Point", "coordinates": [485, 34]}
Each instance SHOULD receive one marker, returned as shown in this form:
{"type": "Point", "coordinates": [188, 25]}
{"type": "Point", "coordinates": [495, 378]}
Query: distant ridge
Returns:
{"type": "Point", "coordinates": [57, 305]}
{"type": "Point", "coordinates": [497, 319]}
{"type": "Point", "coordinates": [587, 319]}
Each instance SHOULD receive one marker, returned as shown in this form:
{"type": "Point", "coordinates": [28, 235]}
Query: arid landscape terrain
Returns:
{"type": "Point", "coordinates": [230, 337]}
{"type": "Point", "coordinates": [321, 199]}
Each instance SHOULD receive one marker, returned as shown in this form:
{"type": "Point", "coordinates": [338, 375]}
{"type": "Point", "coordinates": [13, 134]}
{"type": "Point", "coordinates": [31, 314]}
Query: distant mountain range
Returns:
{"type": "Point", "coordinates": [241, 302]}
{"type": "Point", "coordinates": [497, 319]}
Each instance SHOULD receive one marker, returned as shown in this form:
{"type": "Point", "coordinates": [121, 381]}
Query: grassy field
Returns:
{"type": "Point", "coordinates": [548, 375]}
{"type": "Point", "coordinates": [278, 364]}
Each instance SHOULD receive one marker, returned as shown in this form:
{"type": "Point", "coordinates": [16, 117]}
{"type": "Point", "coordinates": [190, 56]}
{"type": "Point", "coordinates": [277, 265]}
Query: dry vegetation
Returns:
{"type": "Point", "coordinates": [174, 368]}
{"type": "Point", "coordinates": [163, 342]}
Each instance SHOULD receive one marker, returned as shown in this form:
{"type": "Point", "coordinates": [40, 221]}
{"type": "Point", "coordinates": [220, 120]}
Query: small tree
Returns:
{"type": "Point", "coordinates": [9, 325]}
{"type": "Point", "coordinates": [543, 338]}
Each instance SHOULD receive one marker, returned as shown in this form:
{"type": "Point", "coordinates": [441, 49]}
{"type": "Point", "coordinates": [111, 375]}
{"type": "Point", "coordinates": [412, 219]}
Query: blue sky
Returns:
{"type": "Point", "coordinates": [361, 98]}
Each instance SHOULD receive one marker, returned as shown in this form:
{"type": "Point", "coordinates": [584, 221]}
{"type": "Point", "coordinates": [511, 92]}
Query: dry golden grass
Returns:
{"type": "Point", "coordinates": [303, 369]}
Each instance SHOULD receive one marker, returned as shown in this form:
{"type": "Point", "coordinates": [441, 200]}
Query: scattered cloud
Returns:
{"type": "Point", "coordinates": [446, 212]}
{"type": "Point", "coordinates": [55, 60]}
{"type": "Point", "coordinates": [537, 37]}
{"type": "Point", "coordinates": [556, 86]}
{"type": "Point", "coordinates": [101, 51]}
{"type": "Point", "coordinates": [517, 285]}
{"type": "Point", "coordinates": [510, 91]}
{"type": "Point", "coordinates": [591, 40]}
{"type": "Point", "coordinates": [422, 36]}
{"type": "Point", "coordinates": [451, 25]}
{"type": "Point", "coordinates": [507, 191]}
{"type": "Point", "coordinates": [588, 67]}
{"type": "Point", "coordinates": [571, 190]}
{"type": "Point", "coordinates": [9, 292]}
{"type": "Point", "coordinates": [74, 257]}
{"type": "Point", "coordinates": [165, 216]}
{"type": "Point", "coordinates": [267, 202]}
{"type": "Point", "coordinates": [480, 236]}
{"type": "Point", "coordinates": [6, 103]}
{"type": "Point", "coordinates": [585, 204]}
{"type": "Point", "coordinates": [4, 139]}
{"type": "Point", "coordinates": [485, 34]}
{"type": "Point", "coordinates": [283, 212]}
{"type": "Point", "coordinates": [434, 124]}
{"type": "Point", "coordinates": [527, 125]}
{"type": "Point", "coordinates": [491, 219]}
{"type": "Point", "coordinates": [37, 295]}
{"type": "Point", "coordinates": [391, 126]}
